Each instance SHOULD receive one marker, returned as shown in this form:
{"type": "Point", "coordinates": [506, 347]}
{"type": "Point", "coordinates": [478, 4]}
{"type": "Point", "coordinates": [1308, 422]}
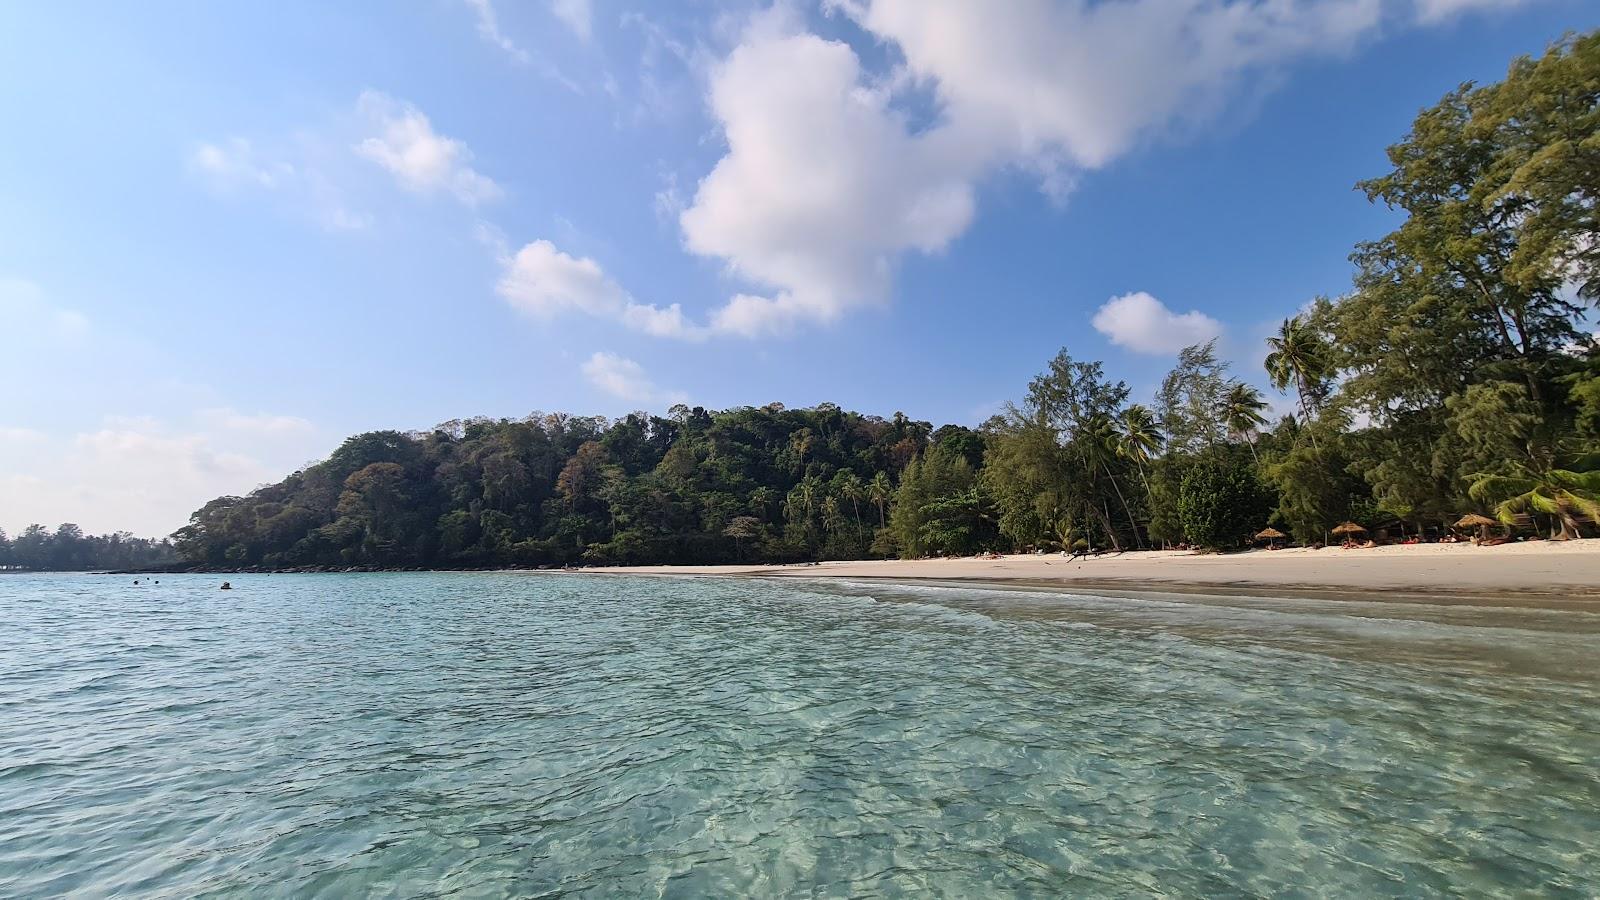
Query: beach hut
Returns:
{"type": "Point", "coordinates": [1481, 522]}
{"type": "Point", "coordinates": [1269, 535]}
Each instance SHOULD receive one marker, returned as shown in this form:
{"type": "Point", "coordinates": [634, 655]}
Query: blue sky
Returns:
{"type": "Point", "coordinates": [231, 235]}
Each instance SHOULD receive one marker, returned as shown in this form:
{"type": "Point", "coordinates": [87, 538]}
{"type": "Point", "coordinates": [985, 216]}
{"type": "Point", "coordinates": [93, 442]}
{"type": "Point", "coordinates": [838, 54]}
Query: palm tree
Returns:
{"type": "Point", "coordinates": [802, 501]}
{"type": "Point", "coordinates": [761, 500]}
{"type": "Point", "coordinates": [1241, 412]}
{"type": "Point", "coordinates": [1561, 493]}
{"type": "Point", "coordinates": [879, 491]}
{"type": "Point", "coordinates": [832, 516]}
{"type": "Point", "coordinates": [851, 488]}
{"type": "Point", "coordinates": [1138, 439]}
{"type": "Point", "coordinates": [1300, 357]}
{"type": "Point", "coordinates": [1101, 443]}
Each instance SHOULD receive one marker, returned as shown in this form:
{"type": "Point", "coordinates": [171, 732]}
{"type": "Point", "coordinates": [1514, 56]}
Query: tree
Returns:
{"type": "Point", "coordinates": [879, 491]}
{"type": "Point", "coordinates": [1138, 439]}
{"type": "Point", "coordinates": [1241, 411]}
{"type": "Point", "coordinates": [1299, 357]}
{"type": "Point", "coordinates": [1222, 501]}
{"type": "Point", "coordinates": [849, 487]}
{"type": "Point", "coordinates": [1560, 493]}
{"type": "Point", "coordinates": [1076, 401]}
{"type": "Point", "coordinates": [937, 508]}
{"type": "Point", "coordinates": [1542, 121]}
{"type": "Point", "coordinates": [743, 528]}
{"type": "Point", "coordinates": [1191, 397]}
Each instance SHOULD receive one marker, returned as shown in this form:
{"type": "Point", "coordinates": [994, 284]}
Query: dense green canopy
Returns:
{"type": "Point", "coordinates": [67, 549]}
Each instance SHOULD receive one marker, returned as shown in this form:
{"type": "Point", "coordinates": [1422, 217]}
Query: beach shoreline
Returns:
{"type": "Point", "coordinates": [1535, 571]}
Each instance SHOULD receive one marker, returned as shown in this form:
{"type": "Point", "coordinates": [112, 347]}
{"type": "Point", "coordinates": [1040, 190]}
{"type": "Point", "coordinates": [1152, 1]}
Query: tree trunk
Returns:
{"type": "Point", "coordinates": [1305, 413]}
{"type": "Point", "coordinates": [1105, 523]}
{"type": "Point", "coordinates": [1138, 541]}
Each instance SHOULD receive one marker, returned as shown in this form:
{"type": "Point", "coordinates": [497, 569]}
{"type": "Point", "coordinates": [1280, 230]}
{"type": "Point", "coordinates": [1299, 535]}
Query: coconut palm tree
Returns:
{"type": "Point", "coordinates": [879, 490]}
{"type": "Point", "coordinates": [1300, 357]}
{"type": "Point", "coordinates": [1241, 412]}
{"type": "Point", "coordinates": [801, 503]}
{"type": "Point", "coordinates": [1561, 493]}
{"type": "Point", "coordinates": [851, 488]}
{"type": "Point", "coordinates": [1101, 442]}
{"type": "Point", "coordinates": [1139, 438]}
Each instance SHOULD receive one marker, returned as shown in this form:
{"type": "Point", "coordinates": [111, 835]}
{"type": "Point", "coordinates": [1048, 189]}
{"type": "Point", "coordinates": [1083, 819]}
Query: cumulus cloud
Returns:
{"type": "Point", "coordinates": [489, 30]}
{"type": "Point", "coordinates": [1040, 79]}
{"type": "Point", "coordinates": [576, 15]}
{"type": "Point", "coordinates": [420, 159]}
{"type": "Point", "coordinates": [823, 185]}
{"type": "Point", "coordinates": [826, 183]}
{"type": "Point", "coordinates": [1143, 324]}
{"type": "Point", "coordinates": [626, 380]}
{"type": "Point", "coordinates": [542, 281]}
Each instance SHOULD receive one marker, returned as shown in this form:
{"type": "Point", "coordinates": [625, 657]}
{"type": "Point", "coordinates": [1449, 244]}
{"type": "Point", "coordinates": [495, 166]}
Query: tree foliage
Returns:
{"type": "Point", "coordinates": [68, 549]}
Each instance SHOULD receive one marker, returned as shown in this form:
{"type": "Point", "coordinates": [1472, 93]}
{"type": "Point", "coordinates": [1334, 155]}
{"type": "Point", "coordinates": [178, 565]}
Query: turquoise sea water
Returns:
{"type": "Point", "coordinates": [493, 735]}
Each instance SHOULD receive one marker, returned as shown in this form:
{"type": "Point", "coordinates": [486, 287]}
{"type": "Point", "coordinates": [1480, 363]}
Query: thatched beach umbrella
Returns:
{"type": "Point", "coordinates": [1348, 528]}
{"type": "Point", "coordinates": [1269, 535]}
{"type": "Point", "coordinates": [1474, 519]}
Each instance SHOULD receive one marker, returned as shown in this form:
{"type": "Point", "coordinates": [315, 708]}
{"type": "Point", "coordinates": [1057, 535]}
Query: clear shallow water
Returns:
{"type": "Point", "coordinates": [531, 735]}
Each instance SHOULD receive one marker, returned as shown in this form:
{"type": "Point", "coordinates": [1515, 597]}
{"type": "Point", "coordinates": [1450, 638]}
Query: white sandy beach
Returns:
{"type": "Point", "coordinates": [1570, 569]}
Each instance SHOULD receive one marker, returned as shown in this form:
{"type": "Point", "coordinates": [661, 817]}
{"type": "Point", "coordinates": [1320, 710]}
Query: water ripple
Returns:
{"type": "Point", "coordinates": [543, 736]}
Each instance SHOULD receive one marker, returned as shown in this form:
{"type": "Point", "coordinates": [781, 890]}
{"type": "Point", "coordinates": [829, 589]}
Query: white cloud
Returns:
{"type": "Point", "coordinates": [823, 186]}
{"type": "Point", "coordinates": [420, 159]}
{"type": "Point", "coordinates": [1431, 12]}
{"type": "Point", "coordinates": [489, 30]}
{"type": "Point", "coordinates": [1036, 79]}
{"type": "Point", "coordinates": [133, 475]}
{"type": "Point", "coordinates": [237, 165]}
{"type": "Point", "coordinates": [1144, 324]}
{"type": "Point", "coordinates": [544, 282]}
{"type": "Point", "coordinates": [235, 162]}
{"type": "Point", "coordinates": [826, 184]}
{"type": "Point", "coordinates": [626, 380]}
{"type": "Point", "coordinates": [576, 15]}
{"type": "Point", "coordinates": [260, 424]}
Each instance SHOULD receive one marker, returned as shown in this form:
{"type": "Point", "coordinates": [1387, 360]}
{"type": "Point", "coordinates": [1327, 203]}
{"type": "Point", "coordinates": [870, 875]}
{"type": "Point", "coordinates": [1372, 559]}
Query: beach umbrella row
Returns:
{"type": "Point", "coordinates": [1470, 520]}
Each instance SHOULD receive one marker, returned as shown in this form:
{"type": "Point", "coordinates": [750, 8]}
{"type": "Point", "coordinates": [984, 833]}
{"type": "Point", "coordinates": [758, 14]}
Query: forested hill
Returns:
{"type": "Point", "coordinates": [751, 483]}
{"type": "Point", "coordinates": [1459, 374]}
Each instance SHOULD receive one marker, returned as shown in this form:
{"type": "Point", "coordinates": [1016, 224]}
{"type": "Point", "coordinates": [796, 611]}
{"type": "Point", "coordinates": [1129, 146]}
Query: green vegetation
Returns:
{"type": "Point", "coordinates": [1457, 375]}
{"type": "Point", "coordinates": [68, 549]}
